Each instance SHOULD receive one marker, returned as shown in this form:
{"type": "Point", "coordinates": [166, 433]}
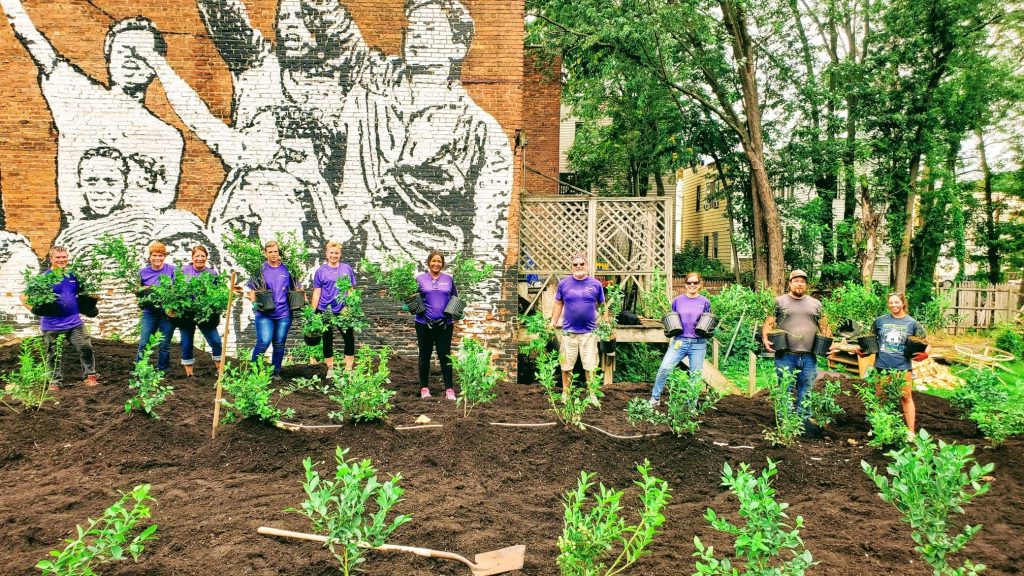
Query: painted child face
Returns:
{"type": "Point", "coordinates": [295, 42]}
{"type": "Point", "coordinates": [102, 183]}
{"type": "Point", "coordinates": [126, 68]}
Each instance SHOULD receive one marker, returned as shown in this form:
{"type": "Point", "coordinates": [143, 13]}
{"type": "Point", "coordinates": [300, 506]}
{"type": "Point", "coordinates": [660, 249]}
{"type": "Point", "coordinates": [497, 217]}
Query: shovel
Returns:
{"type": "Point", "coordinates": [486, 564]}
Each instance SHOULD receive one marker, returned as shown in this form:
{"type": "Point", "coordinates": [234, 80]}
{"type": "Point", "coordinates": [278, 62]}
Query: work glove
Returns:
{"type": "Point", "coordinates": [919, 357]}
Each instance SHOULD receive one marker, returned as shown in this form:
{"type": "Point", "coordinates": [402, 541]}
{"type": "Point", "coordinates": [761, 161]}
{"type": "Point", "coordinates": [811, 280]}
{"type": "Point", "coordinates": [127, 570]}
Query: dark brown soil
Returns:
{"type": "Point", "coordinates": [470, 486]}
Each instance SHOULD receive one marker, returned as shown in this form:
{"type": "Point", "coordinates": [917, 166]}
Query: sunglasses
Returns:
{"type": "Point", "coordinates": [579, 264]}
{"type": "Point", "coordinates": [692, 283]}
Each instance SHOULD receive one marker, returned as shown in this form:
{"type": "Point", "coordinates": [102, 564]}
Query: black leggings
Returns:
{"type": "Point", "coordinates": [347, 335]}
{"type": "Point", "coordinates": [427, 338]}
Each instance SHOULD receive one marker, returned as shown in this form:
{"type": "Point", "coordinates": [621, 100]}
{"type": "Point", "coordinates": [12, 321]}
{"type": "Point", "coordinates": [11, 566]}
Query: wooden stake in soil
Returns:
{"type": "Point", "coordinates": [223, 358]}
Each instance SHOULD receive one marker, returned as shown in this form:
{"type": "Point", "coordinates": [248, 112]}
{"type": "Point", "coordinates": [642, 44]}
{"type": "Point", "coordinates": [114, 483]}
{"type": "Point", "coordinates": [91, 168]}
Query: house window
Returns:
{"type": "Point", "coordinates": [698, 199]}
{"type": "Point", "coordinates": [714, 245]}
{"type": "Point", "coordinates": [706, 240]}
{"type": "Point", "coordinates": [712, 195]}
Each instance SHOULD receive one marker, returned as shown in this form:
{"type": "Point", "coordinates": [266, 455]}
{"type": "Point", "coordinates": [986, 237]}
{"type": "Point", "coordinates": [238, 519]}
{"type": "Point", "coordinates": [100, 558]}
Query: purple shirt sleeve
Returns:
{"type": "Point", "coordinates": [580, 299]}
{"type": "Point", "coordinates": [436, 294]}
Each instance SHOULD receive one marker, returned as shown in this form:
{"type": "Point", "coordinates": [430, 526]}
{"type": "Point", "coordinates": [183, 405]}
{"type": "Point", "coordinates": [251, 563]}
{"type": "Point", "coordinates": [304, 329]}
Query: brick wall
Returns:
{"type": "Point", "coordinates": [387, 131]}
{"type": "Point", "coordinates": [541, 103]}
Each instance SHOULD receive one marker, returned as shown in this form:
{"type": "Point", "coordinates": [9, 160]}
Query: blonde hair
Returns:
{"type": "Point", "coordinates": [332, 244]}
{"type": "Point", "coordinates": [157, 247]}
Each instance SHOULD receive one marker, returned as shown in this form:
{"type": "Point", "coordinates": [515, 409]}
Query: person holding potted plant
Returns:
{"type": "Point", "coordinates": [273, 314]}
{"type": "Point", "coordinates": [433, 328]}
{"type": "Point", "coordinates": [327, 299]}
{"type": "Point", "coordinates": [187, 326]}
{"type": "Point", "coordinates": [155, 318]}
{"type": "Point", "coordinates": [577, 299]}
{"type": "Point", "coordinates": [893, 331]}
{"type": "Point", "coordinates": [800, 317]}
{"type": "Point", "coordinates": [689, 305]}
{"type": "Point", "coordinates": [64, 320]}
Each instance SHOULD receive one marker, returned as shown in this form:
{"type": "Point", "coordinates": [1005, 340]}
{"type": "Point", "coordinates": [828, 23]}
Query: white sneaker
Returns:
{"type": "Point", "coordinates": [654, 402]}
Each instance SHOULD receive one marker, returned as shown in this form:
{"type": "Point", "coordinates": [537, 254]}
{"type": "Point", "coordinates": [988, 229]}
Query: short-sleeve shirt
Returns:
{"type": "Point", "coordinates": [150, 277]}
{"type": "Point", "coordinates": [892, 336]}
{"type": "Point", "coordinates": [689, 310]}
{"type": "Point", "coordinates": [326, 279]}
{"type": "Point", "coordinates": [278, 280]}
{"type": "Point", "coordinates": [436, 292]}
{"type": "Point", "coordinates": [799, 317]}
{"type": "Point", "coordinates": [67, 301]}
{"type": "Point", "coordinates": [580, 299]}
{"type": "Point", "coordinates": [190, 270]}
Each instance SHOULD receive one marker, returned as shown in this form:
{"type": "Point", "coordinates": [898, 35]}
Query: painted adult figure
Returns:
{"type": "Point", "coordinates": [577, 299]}
{"type": "Point", "coordinates": [88, 114]}
{"type": "Point", "coordinates": [327, 299]}
{"type": "Point", "coordinates": [689, 305]}
{"type": "Point", "coordinates": [802, 317]}
{"type": "Point", "coordinates": [187, 326]}
{"type": "Point", "coordinates": [155, 319]}
{"type": "Point", "coordinates": [892, 331]}
{"type": "Point", "coordinates": [65, 322]}
{"type": "Point", "coordinates": [433, 327]}
{"type": "Point", "coordinates": [272, 325]}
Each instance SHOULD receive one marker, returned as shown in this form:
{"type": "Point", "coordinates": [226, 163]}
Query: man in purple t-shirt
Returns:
{"type": "Point", "coordinates": [66, 322]}
{"type": "Point", "coordinates": [576, 302]}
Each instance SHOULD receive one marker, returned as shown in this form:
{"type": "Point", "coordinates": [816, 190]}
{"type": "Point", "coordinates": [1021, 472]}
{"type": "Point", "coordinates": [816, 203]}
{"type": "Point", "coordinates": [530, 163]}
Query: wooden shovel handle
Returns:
{"type": "Point", "coordinates": [425, 552]}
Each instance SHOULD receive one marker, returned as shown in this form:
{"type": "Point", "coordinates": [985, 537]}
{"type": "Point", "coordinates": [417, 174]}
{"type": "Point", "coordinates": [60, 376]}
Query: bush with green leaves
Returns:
{"type": "Point", "coordinates": [766, 543]}
{"type": "Point", "coordinates": [396, 275]}
{"type": "Point", "coordinates": [361, 393]}
{"type": "Point", "coordinates": [303, 353]}
{"type": "Point", "coordinates": [608, 312]}
{"type": "Point", "coordinates": [928, 482]}
{"type": "Point", "coordinates": [569, 406]}
{"type": "Point", "coordinates": [249, 387]}
{"type": "Point", "coordinates": [125, 260]}
{"type": "Point", "coordinates": [822, 406]}
{"type": "Point", "coordinates": [39, 286]}
{"type": "Point", "coordinates": [147, 383]}
{"type": "Point", "coordinates": [199, 298]}
{"type": "Point", "coordinates": [352, 315]}
{"type": "Point", "coordinates": [29, 383]}
{"type": "Point", "coordinates": [541, 334]}
{"type": "Point", "coordinates": [596, 539]}
{"type": "Point", "coordinates": [637, 361]}
{"type": "Point", "coordinates": [884, 412]}
{"type": "Point", "coordinates": [314, 322]}
{"type": "Point", "coordinates": [1008, 338]}
{"type": "Point", "coordinates": [467, 275]}
{"type": "Point", "coordinates": [106, 539]}
{"type": "Point", "coordinates": [685, 402]}
{"type": "Point", "coordinates": [246, 251]}
{"type": "Point", "coordinates": [654, 302]}
{"type": "Point", "coordinates": [740, 311]}
{"type": "Point", "coordinates": [995, 406]}
{"type": "Point", "coordinates": [476, 374]}
{"type": "Point", "coordinates": [90, 271]}
{"type": "Point", "coordinates": [692, 258]}
{"type": "Point", "coordinates": [788, 422]}
{"type": "Point", "coordinates": [339, 507]}
{"type": "Point", "coordinates": [853, 302]}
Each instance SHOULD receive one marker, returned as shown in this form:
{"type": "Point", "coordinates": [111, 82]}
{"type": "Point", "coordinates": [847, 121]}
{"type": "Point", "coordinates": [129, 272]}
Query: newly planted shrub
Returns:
{"type": "Point", "coordinates": [352, 315]}
{"type": "Point", "coordinates": [476, 374]}
{"type": "Point", "coordinates": [996, 407]}
{"type": "Point", "coordinates": [883, 412]}
{"type": "Point", "coordinates": [361, 393]}
{"type": "Point", "coordinates": [595, 531]}
{"type": "Point", "coordinates": [251, 393]}
{"type": "Point", "coordinates": [654, 302]}
{"type": "Point", "coordinates": [927, 483]}
{"type": "Point", "coordinates": [766, 543]}
{"type": "Point", "coordinates": [788, 422]}
{"type": "Point", "coordinates": [29, 383]}
{"type": "Point", "coordinates": [822, 405]}
{"type": "Point", "coordinates": [536, 325]}
{"type": "Point", "coordinates": [338, 507]}
{"type": "Point", "coordinates": [396, 275]}
{"type": "Point", "coordinates": [686, 401]}
{"type": "Point", "coordinates": [124, 259]}
{"type": "Point", "coordinates": [147, 383]}
{"type": "Point", "coordinates": [106, 539]}
{"type": "Point", "coordinates": [568, 406]}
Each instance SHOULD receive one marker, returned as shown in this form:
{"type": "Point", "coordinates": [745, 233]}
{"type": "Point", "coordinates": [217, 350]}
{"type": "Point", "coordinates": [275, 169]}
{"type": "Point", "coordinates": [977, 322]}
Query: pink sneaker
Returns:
{"type": "Point", "coordinates": [424, 392]}
{"type": "Point", "coordinates": [449, 394]}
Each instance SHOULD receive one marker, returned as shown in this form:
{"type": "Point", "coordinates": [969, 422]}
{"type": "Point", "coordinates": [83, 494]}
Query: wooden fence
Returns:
{"type": "Point", "coordinates": [979, 305]}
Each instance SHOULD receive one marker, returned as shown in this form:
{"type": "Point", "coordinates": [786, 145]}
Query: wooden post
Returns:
{"type": "Point", "coordinates": [751, 373]}
{"type": "Point", "coordinates": [223, 358]}
{"type": "Point", "coordinates": [714, 352]}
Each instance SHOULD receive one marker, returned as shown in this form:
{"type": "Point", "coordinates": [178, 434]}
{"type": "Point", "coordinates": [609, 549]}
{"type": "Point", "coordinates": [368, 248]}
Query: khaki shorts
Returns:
{"type": "Point", "coordinates": [583, 346]}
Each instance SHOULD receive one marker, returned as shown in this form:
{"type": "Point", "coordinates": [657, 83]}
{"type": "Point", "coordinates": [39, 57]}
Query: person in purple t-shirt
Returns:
{"type": "Point", "coordinates": [154, 318]}
{"type": "Point", "coordinates": [272, 325]}
{"type": "Point", "coordinates": [187, 326]}
{"type": "Point", "coordinates": [689, 305]}
{"type": "Point", "coordinates": [65, 323]}
{"type": "Point", "coordinates": [433, 328]}
{"type": "Point", "coordinates": [327, 300]}
{"type": "Point", "coordinates": [576, 302]}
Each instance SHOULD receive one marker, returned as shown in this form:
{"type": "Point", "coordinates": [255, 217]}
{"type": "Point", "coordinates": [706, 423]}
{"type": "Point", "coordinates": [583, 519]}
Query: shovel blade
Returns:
{"type": "Point", "coordinates": [499, 561]}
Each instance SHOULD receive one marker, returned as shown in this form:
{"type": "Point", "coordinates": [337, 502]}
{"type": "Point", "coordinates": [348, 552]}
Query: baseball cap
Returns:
{"type": "Point", "coordinates": [798, 274]}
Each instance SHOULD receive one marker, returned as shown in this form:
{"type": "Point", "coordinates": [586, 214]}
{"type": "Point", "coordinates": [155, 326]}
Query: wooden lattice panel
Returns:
{"type": "Point", "coordinates": [630, 236]}
{"type": "Point", "coordinates": [550, 232]}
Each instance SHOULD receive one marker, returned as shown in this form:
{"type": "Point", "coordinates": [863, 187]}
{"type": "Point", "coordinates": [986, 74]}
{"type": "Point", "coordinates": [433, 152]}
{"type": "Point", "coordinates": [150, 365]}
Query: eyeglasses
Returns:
{"type": "Point", "coordinates": [692, 283]}
{"type": "Point", "coordinates": [578, 264]}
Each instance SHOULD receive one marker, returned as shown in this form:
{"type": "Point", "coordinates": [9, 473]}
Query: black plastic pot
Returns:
{"type": "Point", "coordinates": [456, 308]}
{"type": "Point", "coordinates": [211, 322]}
{"type": "Point", "coordinates": [265, 301]}
{"type": "Point", "coordinates": [141, 295]}
{"type": "Point", "coordinates": [311, 340]}
{"type": "Point", "coordinates": [913, 345]}
{"type": "Point", "coordinates": [707, 323]}
{"type": "Point", "coordinates": [87, 305]}
{"type": "Point", "coordinates": [778, 341]}
{"type": "Point", "coordinates": [296, 300]}
{"type": "Point", "coordinates": [868, 344]}
{"type": "Point", "coordinates": [821, 345]}
{"type": "Point", "coordinates": [415, 304]}
{"type": "Point", "coordinates": [48, 309]}
{"type": "Point", "coordinates": [673, 324]}
{"type": "Point", "coordinates": [606, 346]}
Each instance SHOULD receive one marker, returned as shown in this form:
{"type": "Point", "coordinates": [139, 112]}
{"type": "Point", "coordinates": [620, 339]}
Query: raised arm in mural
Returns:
{"type": "Point", "coordinates": [88, 114]}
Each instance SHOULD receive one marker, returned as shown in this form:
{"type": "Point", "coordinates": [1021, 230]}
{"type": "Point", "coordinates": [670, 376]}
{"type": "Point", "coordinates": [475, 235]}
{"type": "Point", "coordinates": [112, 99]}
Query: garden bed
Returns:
{"type": "Point", "coordinates": [470, 486]}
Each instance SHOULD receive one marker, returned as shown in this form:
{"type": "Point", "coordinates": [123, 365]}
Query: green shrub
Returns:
{"type": "Point", "coordinates": [352, 315]}
{"type": "Point", "coordinates": [476, 374]}
{"type": "Point", "coordinates": [90, 271]}
{"type": "Point", "coordinates": [737, 305]}
{"type": "Point", "coordinates": [884, 413]}
{"type": "Point", "coordinates": [1009, 339]}
{"type": "Point", "coordinates": [39, 286]}
{"type": "Point", "coordinates": [570, 406]}
{"type": "Point", "coordinates": [338, 508]}
{"type": "Point", "coordinates": [692, 259]}
{"type": "Point", "coordinates": [595, 531]}
{"type": "Point", "coordinates": [536, 325]}
{"type": "Point", "coordinates": [686, 401]}
{"type": "Point", "coordinates": [249, 387]}
{"type": "Point", "coordinates": [610, 308]}
{"type": "Point", "coordinates": [637, 362]}
{"type": "Point", "coordinates": [997, 408]}
{"type": "Point", "coordinates": [853, 302]}
{"type": "Point", "coordinates": [788, 422]}
{"type": "Point", "coordinates": [654, 302]}
{"type": "Point", "coordinates": [124, 259]}
{"type": "Point", "coordinates": [467, 275]}
{"type": "Point", "coordinates": [29, 383]}
{"type": "Point", "coordinates": [822, 405]}
{"type": "Point", "coordinates": [147, 383]}
{"type": "Point", "coordinates": [396, 275]}
{"type": "Point", "coordinates": [766, 544]}
{"type": "Point", "coordinates": [315, 323]}
{"type": "Point", "coordinates": [361, 393]}
{"type": "Point", "coordinates": [106, 539]}
{"type": "Point", "coordinates": [246, 251]}
{"type": "Point", "coordinates": [927, 483]}
{"type": "Point", "coordinates": [198, 298]}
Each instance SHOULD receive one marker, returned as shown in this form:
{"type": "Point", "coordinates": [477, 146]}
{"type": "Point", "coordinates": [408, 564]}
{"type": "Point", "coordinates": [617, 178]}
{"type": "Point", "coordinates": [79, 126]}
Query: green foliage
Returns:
{"type": "Point", "coordinates": [303, 353]}
{"type": "Point", "coordinates": [884, 413]}
{"type": "Point", "coordinates": [29, 383]}
{"type": "Point", "coordinates": [927, 483]}
{"type": "Point", "coordinates": [360, 393]}
{"type": "Point", "coordinates": [788, 422]}
{"type": "Point", "coordinates": [931, 310]}
{"type": "Point", "coordinates": [39, 287]}
{"type": "Point", "coordinates": [198, 298]}
{"type": "Point", "coordinates": [654, 302]}
{"type": "Point", "coordinates": [737, 305]}
{"type": "Point", "coordinates": [397, 275]}
{"type": "Point", "coordinates": [467, 274]}
{"type": "Point", "coordinates": [538, 326]}
{"type": "Point", "coordinates": [106, 539]}
{"type": "Point", "coordinates": [1009, 339]}
{"type": "Point", "coordinates": [352, 315]}
{"type": "Point", "coordinates": [685, 403]}
{"type": "Point", "coordinates": [147, 382]}
{"type": "Point", "coordinates": [637, 362]}
{"type": "Point", "coordinates": [822, 405]}
{"type": "Point", "coordinates": [338, 507]}
{"type": "Point", "coordinates": [249, 387]}
{"type": "Point", "coordinates": [997, 408]}
{"type": "Point", "coordinates": [247, 252]}
{"type": "Point", "coordinates": [595, 530]}
{"type": "Point", "coordinates": [6, 329]}
{"type": "Point", "coordinates": [476, 374]}
{"type": "Point", "coordinates": [568, 406]}
{"type": "Point", "coordinates": [692, 259]}
{"type": "Point", "coordinates": [90, 272]}
{"type": "Point", "coordinates": [609, 309]}
{"type": "Point", "coordinates": [766, 544]}
{"type": "Point", "coordinates": [315, 323]}
{"type": "Point", "coordinates": [852, 301]}
{"type": "Point", "coordinates": [295, 254]}
{"type": "Point", "coordinates": [125, 260]}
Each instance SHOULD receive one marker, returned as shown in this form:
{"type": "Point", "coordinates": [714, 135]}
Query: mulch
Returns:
{"type": "Point", "coordinates": [470, 486]}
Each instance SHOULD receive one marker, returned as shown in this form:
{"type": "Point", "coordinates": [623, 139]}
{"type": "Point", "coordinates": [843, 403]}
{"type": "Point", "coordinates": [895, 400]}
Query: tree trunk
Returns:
{"type": "Point", "coordinates": [758, 252]}
{"type": "Point", "coordinates": [659, 183]}
{"type": "Point", "coordinates": [991, 248]}
{"type": "Point", "coordinates": [909, 213]}
{"type": "Point", "coordinates": [867, 236]}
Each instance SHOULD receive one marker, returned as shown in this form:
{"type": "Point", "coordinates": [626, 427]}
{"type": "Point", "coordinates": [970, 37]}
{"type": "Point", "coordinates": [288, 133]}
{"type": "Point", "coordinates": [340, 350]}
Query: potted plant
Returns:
{"type": "Point", "coordinates": [91, 273]}
{"type": "Point", "coordinates": [673, 324]}
{"type": "Point", "coordinates": [868, 344]}
{"type": "Point", "coordinates": [467, 274]}
{"type": "Point", "coordinates": [295, 255]}
{"type": "Point", "coordinates": [398, 277]}
{"type": "Point", "coordinates": [610, 309]}
{"type": "Point", "coordinates": [39, 291]}
{"type": "Point", "coordinates": [125, 262]}
{"type": "Point", "coordinates": [352, 315]}
{"type": "Point", "coordinates": [247, 252]}
{"type": "Point", "coordinates": [314, 324]}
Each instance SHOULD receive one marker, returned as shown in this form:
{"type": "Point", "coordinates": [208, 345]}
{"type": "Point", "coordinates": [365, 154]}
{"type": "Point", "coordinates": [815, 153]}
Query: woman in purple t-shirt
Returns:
{"type": "Point", "coordinates": [153, 318]}
{"type": "Point", "coordinates": [327, 300]}
{"type": "Point", "coordinates": [689, 305]}
{"type": "Point", "coordinates": [434, 328]}
{"type": "Point", "coordinates": [187, 326]}
{"type": "Point", "coordinates": [272, 325]}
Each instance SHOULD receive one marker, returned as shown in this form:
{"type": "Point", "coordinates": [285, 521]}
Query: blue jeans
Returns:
{"type": "Point", "coordinates": [678, 348]}
{"type": "Point", "coordinates": [187, 329]}
{"type": "Point", "coordinates": [269, 330]}
{"type": "Point", "coordinates": [805, 366]}
{"type": "Point", "coordinates": [154, 320]}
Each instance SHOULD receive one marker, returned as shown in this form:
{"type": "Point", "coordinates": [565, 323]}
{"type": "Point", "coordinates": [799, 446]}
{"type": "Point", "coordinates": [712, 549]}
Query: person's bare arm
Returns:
{"type": "Point", "coordinates": [39, 48]}
{"type": "Point", "coordinates": [823, 327]}
{"type": "Point", "coordinates": [315, 301]}
{"type": "Point", "coordinates": [769, 325]}
{"type": "Point", "coordinates": [556, 314]}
